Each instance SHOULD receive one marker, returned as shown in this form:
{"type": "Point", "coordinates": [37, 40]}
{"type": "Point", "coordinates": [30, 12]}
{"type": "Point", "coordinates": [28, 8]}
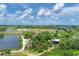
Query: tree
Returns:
{"type": "Point", "coordinates": [69, 43]}
{"type": "Point", "coordinates": [40, 42]}
{"type": "Point", "coordinates": [28, 34]}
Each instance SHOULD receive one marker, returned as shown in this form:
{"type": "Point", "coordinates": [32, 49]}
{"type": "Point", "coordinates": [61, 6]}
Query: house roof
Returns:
{"type": "Point", "coordinates": [55, 39]}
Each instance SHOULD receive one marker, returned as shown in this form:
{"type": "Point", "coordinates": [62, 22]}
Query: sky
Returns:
{"type": "Point", "coordinates": [39, 14]}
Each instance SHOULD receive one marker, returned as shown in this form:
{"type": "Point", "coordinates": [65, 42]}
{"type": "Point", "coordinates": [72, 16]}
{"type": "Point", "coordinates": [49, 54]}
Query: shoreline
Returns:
{"type": "Point", "coordinates": [25, 41]}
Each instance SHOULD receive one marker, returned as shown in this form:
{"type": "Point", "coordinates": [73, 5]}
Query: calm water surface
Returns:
{"type": "Point", "coordinates": [9, 41]}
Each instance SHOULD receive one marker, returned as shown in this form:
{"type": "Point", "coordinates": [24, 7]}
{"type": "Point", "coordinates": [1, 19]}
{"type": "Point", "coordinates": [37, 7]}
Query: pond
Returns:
{"type": "Point", "coordinates": [9, 42]}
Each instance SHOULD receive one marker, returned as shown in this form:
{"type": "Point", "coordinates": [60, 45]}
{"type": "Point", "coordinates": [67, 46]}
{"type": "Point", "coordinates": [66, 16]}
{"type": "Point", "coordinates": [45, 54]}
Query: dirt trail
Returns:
{"type": "Point", "coordinates": [45, 51]}
{"type": "Point", "coordinates": [29, 53]}
{"type": "Point", "coordinates": [37, 54]}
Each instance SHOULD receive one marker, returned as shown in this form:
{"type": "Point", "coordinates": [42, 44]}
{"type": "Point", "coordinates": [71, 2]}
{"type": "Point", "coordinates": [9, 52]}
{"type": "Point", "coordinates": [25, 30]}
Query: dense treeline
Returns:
{"type": "Point", "coordinates": [41, 26]}
{"type": "Point", "coordinates": [68, 45]}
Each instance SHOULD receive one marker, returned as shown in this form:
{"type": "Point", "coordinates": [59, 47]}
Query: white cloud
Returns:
{"type": "Point", "coordinates": [31, 17]}
{"type": "Point", "coordinates": [58, 7]}
{"type": "Point", "coordinates": [70, 9]}
{"type": "Point", "coordinates": [18, 12]}
{"type": "Point", "coordinates": [71, 12]}
{"type": "Point", "coordinates": [40, 12]}
{"type": "Point", "coordinates": [26, 13]}
{"type": "Point", "coordinates": [48, 12]}
{"type": "Point", "coordinates": [2, 7]}
{"type": "Point", "coordinates": [11, 16]}
{"type": "Point", "coordinates": [44, 12]}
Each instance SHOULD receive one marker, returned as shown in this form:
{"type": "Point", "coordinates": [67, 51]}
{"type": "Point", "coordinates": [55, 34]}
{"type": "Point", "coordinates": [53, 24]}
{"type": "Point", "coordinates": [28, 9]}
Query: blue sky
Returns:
{"type": "Point", "coordinates": [39, 14]}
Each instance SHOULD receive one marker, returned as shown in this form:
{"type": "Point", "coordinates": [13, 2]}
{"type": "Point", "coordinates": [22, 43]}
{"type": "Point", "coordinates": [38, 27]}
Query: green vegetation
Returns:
{"type": "Point", "coordinates": [40, 42]}
{"type": "Point", "coordinates": [5, 52]}
{"type": "Point", "coordinates": [3, 29]}
{"type": "Point", "coordinates": [60, 52]}
{"type": "Point", "coordinates": [28, 34]}
{"type": "Point", "coordinates": [1, 36]}
{"type": "Point", "coordinates": [20, 42]}
{"type": "Point", "coordinates": [69, 44]}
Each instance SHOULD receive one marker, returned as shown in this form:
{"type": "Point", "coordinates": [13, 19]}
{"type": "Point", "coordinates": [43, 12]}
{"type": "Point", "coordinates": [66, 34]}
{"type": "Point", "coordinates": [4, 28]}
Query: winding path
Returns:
{"type": "Point", "coordinates": [25, 41]}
